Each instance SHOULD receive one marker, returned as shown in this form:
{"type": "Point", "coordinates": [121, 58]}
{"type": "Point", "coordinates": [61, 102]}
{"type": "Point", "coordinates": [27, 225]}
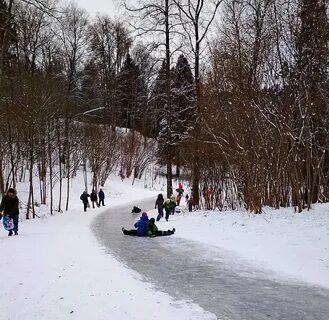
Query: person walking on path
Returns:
{"type": "Point", "coordinates": [10, 207]}
{"type": "Point", "coordinates": [169, 207]}
{"type": "Point", "coordinates": [101, 197]}
{"type": "Point", "coordinates": [84, 198]}
{"type": "Point", "coordinates": [159, 204]}
{"type": "Point", "coordinates": [93, 198]}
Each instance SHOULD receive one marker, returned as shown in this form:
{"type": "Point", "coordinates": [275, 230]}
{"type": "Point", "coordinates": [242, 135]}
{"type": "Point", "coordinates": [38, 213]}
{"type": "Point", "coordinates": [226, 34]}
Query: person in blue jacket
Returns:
{"type": "Point", "coordinates": [140, 225]}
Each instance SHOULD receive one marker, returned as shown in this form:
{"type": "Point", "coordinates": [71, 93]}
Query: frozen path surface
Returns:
{"type": "Point", "coordinates": [214, 279]}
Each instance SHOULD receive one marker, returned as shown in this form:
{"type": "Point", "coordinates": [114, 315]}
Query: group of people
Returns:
{"type": "Point", "coordinates": [95, 200]}
{"type": "Point", "coordinates": [171, 203]}
{"type": "Point", "coordinates": [147, 227]}
{"type": "Point", "coordinates": [9, 211]}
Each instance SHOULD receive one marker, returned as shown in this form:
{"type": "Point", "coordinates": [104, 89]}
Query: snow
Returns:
{"type": "Point", "coordinates": [55, 269]}
{"type": "Point", "coordinates": [293, 245]}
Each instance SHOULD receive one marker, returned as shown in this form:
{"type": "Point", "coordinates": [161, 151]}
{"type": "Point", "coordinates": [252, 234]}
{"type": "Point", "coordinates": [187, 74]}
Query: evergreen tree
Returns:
{"type": "Point", "coordinates": [130, 95]}
{"type": "Point", "coordinates": [311, 84]}
{"type": "Point", "coordinates": [8, 38]}
{"type": "Point", "coordinates": [183, 99]}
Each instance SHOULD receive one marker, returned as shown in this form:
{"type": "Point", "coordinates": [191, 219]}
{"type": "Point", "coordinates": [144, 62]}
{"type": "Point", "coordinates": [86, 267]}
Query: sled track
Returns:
{"type": "Point", "coordinates": [214, 279]}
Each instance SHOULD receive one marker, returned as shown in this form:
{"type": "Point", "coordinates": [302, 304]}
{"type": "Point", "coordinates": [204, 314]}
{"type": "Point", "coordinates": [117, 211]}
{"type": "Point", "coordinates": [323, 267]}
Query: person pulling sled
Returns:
{"type": "Point", "coordinates": [9, 210]}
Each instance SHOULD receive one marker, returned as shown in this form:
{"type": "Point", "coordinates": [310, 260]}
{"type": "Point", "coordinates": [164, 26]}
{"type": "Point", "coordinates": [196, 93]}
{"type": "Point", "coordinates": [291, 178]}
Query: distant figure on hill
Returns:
{"type": "Point", "coordinates": [93, 198]}
{"type": "Point", "coordinates": [9, 208]}
{"type": "Point", "coordinates": [190, 203]}
{"type": "Point", "coordinates": [101, 197]}
{"type": "Point", "coordinates": [84, 198]}
{"type": "Point", "coordinates": [159, 204]}
{"type": "Point", "coordinates": [180, 189]}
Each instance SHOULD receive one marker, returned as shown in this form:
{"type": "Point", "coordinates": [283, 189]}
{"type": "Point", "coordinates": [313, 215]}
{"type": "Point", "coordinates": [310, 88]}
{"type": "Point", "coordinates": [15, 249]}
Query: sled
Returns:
{"type": "Point", "coordinates": [8, 223]}
{"type": "Point", "coordinates": [160, 233]}
{"type": "Point", "coordinates": [136, 210]}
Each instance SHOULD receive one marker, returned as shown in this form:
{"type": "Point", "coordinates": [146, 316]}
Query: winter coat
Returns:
{"type": "Point", "coordinates": [9, 206]}
{"type": "Point", "coordinates": [84, 197]}
{"type": "Point", "coordinates": [93, 196]}
{"type": "Point", "coordinates": [101, 195]}
{"type": "Point", "coordinates": [159, 202]}
{"type": "Point", "coordinates": [141, 226]}
{"type": "Point", "coordinates": [151, 230]}
{"type": "Point", "coordinates": [169, 205]}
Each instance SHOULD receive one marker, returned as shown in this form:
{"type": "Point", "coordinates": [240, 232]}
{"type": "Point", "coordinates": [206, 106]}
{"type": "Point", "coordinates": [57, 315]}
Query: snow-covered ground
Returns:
{"type": "Point", "coordinates": [55, 269]}
{"type": "Point", "coordinates": [294, 245]}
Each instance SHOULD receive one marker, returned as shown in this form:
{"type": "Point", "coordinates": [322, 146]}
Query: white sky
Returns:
{"type": "Point", "coordinates": [109, 7]}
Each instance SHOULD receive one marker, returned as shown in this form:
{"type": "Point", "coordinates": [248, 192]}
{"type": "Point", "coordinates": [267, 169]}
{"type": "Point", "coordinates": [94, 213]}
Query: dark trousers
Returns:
{"type": "Point", "coordinates": [160, 233]}
{"type": "Point", "coordinates": [130, 232]}
{"type": "Point", "coordinates": [160, 213]}
{"type": "Point", "coordinates": [101, 201]}
{"type": "Point", "coordinates": [93, 202]}
{"type": "Point", "coordinates": [85, 205]}
{"type": "Point", "coordinates": [167, 213]}
{"type": "Point", "coordinates": [15, 220]}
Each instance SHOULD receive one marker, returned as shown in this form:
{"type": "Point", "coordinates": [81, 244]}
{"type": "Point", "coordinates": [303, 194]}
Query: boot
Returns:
{"type": "Point", "coordinates": [10, 233]}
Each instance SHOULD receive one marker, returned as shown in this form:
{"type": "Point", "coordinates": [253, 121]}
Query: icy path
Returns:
{"type": "Point", "coordinates": [212, 278]}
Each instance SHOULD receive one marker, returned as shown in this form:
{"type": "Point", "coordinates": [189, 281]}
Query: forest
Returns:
{"type": "Point", "coordinates": [230, 96]}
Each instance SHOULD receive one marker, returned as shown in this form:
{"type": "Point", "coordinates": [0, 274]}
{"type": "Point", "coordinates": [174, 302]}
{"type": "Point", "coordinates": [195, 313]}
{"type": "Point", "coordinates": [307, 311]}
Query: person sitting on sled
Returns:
{"type": "Point", "coordinates": [140, 225]}
{"type": "Point", "coordinates": [152, 230]}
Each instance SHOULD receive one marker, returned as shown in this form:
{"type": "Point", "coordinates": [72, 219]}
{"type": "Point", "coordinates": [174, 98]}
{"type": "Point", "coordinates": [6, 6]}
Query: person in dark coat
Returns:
{"type": "Point", "coordinates": [152, 230]}
{"type": "Point", "coordinates": [190, 203]}
{"type": "Point", "coordinates": [93, 198]}
{"type": "Point", "coordinates": [10, 207]}
{"type": "Point", "coordinates": [101, 197]}
{"type": "Point", "coordinates": [140, 225]}
{"type": "Point", "coordinates": [84, 198]}
{"type": "Point", "coordinates": [159, 204]}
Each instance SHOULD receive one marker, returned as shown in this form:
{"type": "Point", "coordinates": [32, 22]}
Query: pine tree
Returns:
{"type": "Point", "coordinates": [311, 83]}
{"type": "Point", "coordinates": [8, 38]}
{"type": "Point", "coordinates": [183, 99]}
{"type": "Point", "coordinates": [130, 95]}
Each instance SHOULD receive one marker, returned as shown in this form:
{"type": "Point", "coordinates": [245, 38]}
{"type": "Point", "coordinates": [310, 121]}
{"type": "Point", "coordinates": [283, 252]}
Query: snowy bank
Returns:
{"type": "Point", "coordinates": [294, 245]}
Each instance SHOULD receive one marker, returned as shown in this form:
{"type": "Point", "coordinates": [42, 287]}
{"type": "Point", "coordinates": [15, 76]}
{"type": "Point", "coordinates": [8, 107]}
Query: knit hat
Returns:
{"type": "Point", "coordinates": [144, 214]}
{"type": "Point", "coordinates": [11, 190]}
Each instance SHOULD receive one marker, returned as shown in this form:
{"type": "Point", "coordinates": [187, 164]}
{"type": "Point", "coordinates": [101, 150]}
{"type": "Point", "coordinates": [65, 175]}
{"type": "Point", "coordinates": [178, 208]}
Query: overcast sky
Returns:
{"type": "Point", "coordinates": [109, 7]}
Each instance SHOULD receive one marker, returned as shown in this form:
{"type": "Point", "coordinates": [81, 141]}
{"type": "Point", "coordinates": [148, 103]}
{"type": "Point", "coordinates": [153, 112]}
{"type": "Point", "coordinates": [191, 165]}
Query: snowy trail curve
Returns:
{"type": "Point", "coordinates": [215, 280]}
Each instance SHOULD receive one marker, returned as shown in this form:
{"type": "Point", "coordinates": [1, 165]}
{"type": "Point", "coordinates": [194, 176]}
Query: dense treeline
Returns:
{"type": "Point", "coordinates": [247, 121]}
{"type": "Point", "coordinates": [267, 94]}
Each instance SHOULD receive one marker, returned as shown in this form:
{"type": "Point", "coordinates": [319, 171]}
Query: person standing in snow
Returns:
{"type": "Point", "coordinates": [159, 204]}
{"type": "Point", "coordinates": [84, 198]}
{"type": "Point", "coordinates": [180, 189]}
{"type": "Point", "coordinates": [169, 207]}
{"type": "Point", "coordinates": [10, 207]}
{"type": "Point", "coordinates": [101, 197]}
{"type": "Point", "coordinates": [93, 198]}
{"type": "Point", "coordinates": [190, 204]}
